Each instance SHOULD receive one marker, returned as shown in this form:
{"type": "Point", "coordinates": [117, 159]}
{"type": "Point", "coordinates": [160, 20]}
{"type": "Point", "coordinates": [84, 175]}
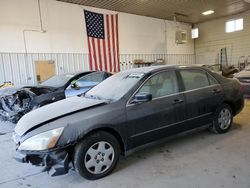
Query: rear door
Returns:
{"type": "Point", "coordinates": [163, 115]}
{"type": "Point", "coordinates": [202, 95]}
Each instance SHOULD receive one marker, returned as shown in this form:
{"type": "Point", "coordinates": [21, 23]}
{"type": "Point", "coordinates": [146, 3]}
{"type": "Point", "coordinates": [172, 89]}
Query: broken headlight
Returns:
{"type": "Point", "coordinates": [42, 141]}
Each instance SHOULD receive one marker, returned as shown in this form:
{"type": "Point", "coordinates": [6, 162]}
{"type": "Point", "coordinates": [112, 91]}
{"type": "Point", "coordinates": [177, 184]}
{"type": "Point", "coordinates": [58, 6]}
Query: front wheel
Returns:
{"type": "Point", "coordinates": [223, 119]}
{"type": "Point", "coordinates": [97, 155]}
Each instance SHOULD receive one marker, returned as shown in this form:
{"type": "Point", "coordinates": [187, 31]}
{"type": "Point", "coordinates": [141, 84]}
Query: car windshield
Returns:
{"type": "Point", "coordinates": [115, 87]}
{"type": "Point", "coordinates": [57, 81]}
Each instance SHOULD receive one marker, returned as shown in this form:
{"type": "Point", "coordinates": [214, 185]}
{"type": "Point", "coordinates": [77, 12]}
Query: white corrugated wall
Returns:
{"type": "Point", "coordinates": [19, 68]}
{"type": "Point", "coordinates": [213, 37]}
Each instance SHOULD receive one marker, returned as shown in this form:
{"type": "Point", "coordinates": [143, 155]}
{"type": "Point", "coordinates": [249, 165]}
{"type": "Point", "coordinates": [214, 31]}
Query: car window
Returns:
{"type": "Point", "coordinates": [212, 80]}
{"type": "Point", "coordinates": [57, 80]}
{"type": "Point", "coordinates": [93, 77]}
{"type": "Point", "coordinates": [194, 79]}
{"type": "Point", "coordinates": [90, 79]}
{"type": "Point", "coordinates": [160, 85]}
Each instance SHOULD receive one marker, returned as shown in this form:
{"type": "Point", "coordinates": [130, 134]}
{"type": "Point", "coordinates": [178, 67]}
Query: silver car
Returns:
{"type": "Point", "coordinates": [244, 78]}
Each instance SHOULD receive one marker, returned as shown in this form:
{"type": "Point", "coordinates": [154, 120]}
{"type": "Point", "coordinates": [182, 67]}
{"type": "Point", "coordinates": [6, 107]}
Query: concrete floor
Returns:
{"type": "Point", "coordinates": [194, 161]}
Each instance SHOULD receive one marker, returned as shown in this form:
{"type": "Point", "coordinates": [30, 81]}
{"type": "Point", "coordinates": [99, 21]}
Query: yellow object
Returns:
{"type": "Point", "coordinates": [6, 84]}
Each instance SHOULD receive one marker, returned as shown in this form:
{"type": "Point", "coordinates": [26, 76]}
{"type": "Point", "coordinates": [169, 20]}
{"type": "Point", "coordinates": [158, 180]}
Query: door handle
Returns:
{"type": "Point", "coordinates": [216, 91]}
{"type": "Point", "coordinates": [177, 101]}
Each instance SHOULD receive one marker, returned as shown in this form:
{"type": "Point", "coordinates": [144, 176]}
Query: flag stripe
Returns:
{"type": "Point", "coordinates": [90, 56]}
{"type": "Point", "coordinates": [113, 43]}
{"type": "Point", "coordinates": [107, 46]}
{"type": "Point", "coordinates": [116, 58]}
{"type": "Point", "coordinates": [117, 44]}
{"type": "Point", "coordinates": [94, 54]}
{"type": "Point", "coordinates": [104, 55]}
{"type": "Point", "coordinates": [97, 55]}
{"type": "Point", "coordinates": [110, 45]}
{"type": "Point", "coordinates": [108, 38]}
{"type": "Point", "coordinates": [100, 54]}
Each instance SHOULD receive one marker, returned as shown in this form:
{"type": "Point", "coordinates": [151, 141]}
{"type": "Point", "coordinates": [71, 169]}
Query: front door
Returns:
{"type": "Point", "coordinates": [163, 115]}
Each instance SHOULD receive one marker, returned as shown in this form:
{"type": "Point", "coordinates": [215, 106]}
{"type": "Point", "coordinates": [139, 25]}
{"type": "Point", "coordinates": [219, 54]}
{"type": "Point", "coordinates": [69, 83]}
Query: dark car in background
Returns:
{"type": "Point", "coordinates": [124, 113]}
{"type": "Point", "coordinates": [244, 78]}
{"type": "Point", "coordinates": [17, 101]}
{"type": "Point", "coordinates": [227, 71]}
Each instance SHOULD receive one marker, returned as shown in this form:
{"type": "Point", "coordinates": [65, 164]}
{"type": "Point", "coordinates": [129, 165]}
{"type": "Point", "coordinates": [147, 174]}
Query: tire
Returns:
{"type": "Point", "coordinates": [223, 119]}
{"type": "Point", "coordinates": [97, 155]}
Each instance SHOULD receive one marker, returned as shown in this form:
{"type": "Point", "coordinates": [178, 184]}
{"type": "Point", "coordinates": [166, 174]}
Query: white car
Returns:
{"type": "Point", "coordinates": [244, 78]}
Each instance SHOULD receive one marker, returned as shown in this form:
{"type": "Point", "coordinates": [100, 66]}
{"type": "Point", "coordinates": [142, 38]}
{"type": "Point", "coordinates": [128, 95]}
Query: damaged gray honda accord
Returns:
{"type": "Point", "coordinates": [126, 112]}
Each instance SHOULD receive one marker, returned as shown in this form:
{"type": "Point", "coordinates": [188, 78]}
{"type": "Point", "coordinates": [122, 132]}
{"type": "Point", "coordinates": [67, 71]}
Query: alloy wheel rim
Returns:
{"type": "Point", "coordinates": [99, 157]}
{"type": "Point", "coordinates": [225, 118]}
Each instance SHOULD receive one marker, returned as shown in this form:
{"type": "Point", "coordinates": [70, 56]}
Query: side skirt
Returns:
{"type": "Point", "coordinates": [129, 152]}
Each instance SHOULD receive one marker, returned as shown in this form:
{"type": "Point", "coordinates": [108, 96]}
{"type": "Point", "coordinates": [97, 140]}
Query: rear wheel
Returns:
{"type": "Point", "coordinates": [223, 119]}
{"type": "Point", "coordinates": [97, 155]}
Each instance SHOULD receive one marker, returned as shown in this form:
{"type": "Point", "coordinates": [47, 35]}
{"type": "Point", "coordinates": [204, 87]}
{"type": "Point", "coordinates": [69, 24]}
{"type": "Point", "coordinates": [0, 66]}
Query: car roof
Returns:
{"type": "Point", "coordinates": [145, 69]}
{"type": "Point", "coordinates": [77, 73]}
{"type": "Point", "coordinates": [84, 72]}
{"type": "Point", "coordinates": [160, 67]}
{"type": "Point", "coordinates": [149, 69]}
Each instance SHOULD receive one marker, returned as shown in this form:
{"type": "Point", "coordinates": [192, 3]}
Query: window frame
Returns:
{"type": "Point", "coordinates": [209, 75]}
{"type": "Point", "coordinates": [130, 100]}
{"type": "Point", "coordinates": [193, 32]}
{"type": "Point", "coordinates": [91, 74]}
{"type": "Point", "coordinates": [83, 76]}
{"type": "Point", "coordinates": [198, 69]}
{"type": "Point", "coordinates": [234, 21]}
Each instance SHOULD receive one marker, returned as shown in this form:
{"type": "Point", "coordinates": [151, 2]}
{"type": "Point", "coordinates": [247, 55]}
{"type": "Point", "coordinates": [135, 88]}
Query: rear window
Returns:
{"type": "Point", "coordinates": [194, 79]}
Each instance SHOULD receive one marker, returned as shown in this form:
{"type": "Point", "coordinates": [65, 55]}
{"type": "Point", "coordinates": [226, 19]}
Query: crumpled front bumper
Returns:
{"type": "Point", "coordinates": [55, 162]}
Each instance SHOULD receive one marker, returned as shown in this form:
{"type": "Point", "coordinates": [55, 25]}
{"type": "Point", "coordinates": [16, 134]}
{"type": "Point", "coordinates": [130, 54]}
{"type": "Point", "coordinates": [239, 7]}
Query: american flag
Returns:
{"type": "Point", "coordinates": [102, 32]}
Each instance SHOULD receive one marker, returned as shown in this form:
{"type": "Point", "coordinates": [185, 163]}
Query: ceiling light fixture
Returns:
{"type": "Point", "coordinates": [208, 12]}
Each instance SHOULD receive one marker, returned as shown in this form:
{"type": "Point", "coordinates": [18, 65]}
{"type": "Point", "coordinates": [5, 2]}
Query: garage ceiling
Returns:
{"type": "Point", "coordinates": [185, 10]}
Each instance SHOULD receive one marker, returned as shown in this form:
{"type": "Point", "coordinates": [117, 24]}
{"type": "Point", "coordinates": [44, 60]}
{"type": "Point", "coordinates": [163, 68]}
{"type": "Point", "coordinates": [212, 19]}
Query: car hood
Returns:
{"type": "Point", "coordinates": [9, 90]}
{"type": "Point", "coordinates": [53, 111]}
{"type": "Point", "coordinates": [37, 90]}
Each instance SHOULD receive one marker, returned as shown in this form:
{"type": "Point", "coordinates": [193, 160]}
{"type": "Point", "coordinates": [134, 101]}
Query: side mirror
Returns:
{"type": "Point", "coordinates": [75, 86]}
{"type": "Point", "coordinates": [142, 97]}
